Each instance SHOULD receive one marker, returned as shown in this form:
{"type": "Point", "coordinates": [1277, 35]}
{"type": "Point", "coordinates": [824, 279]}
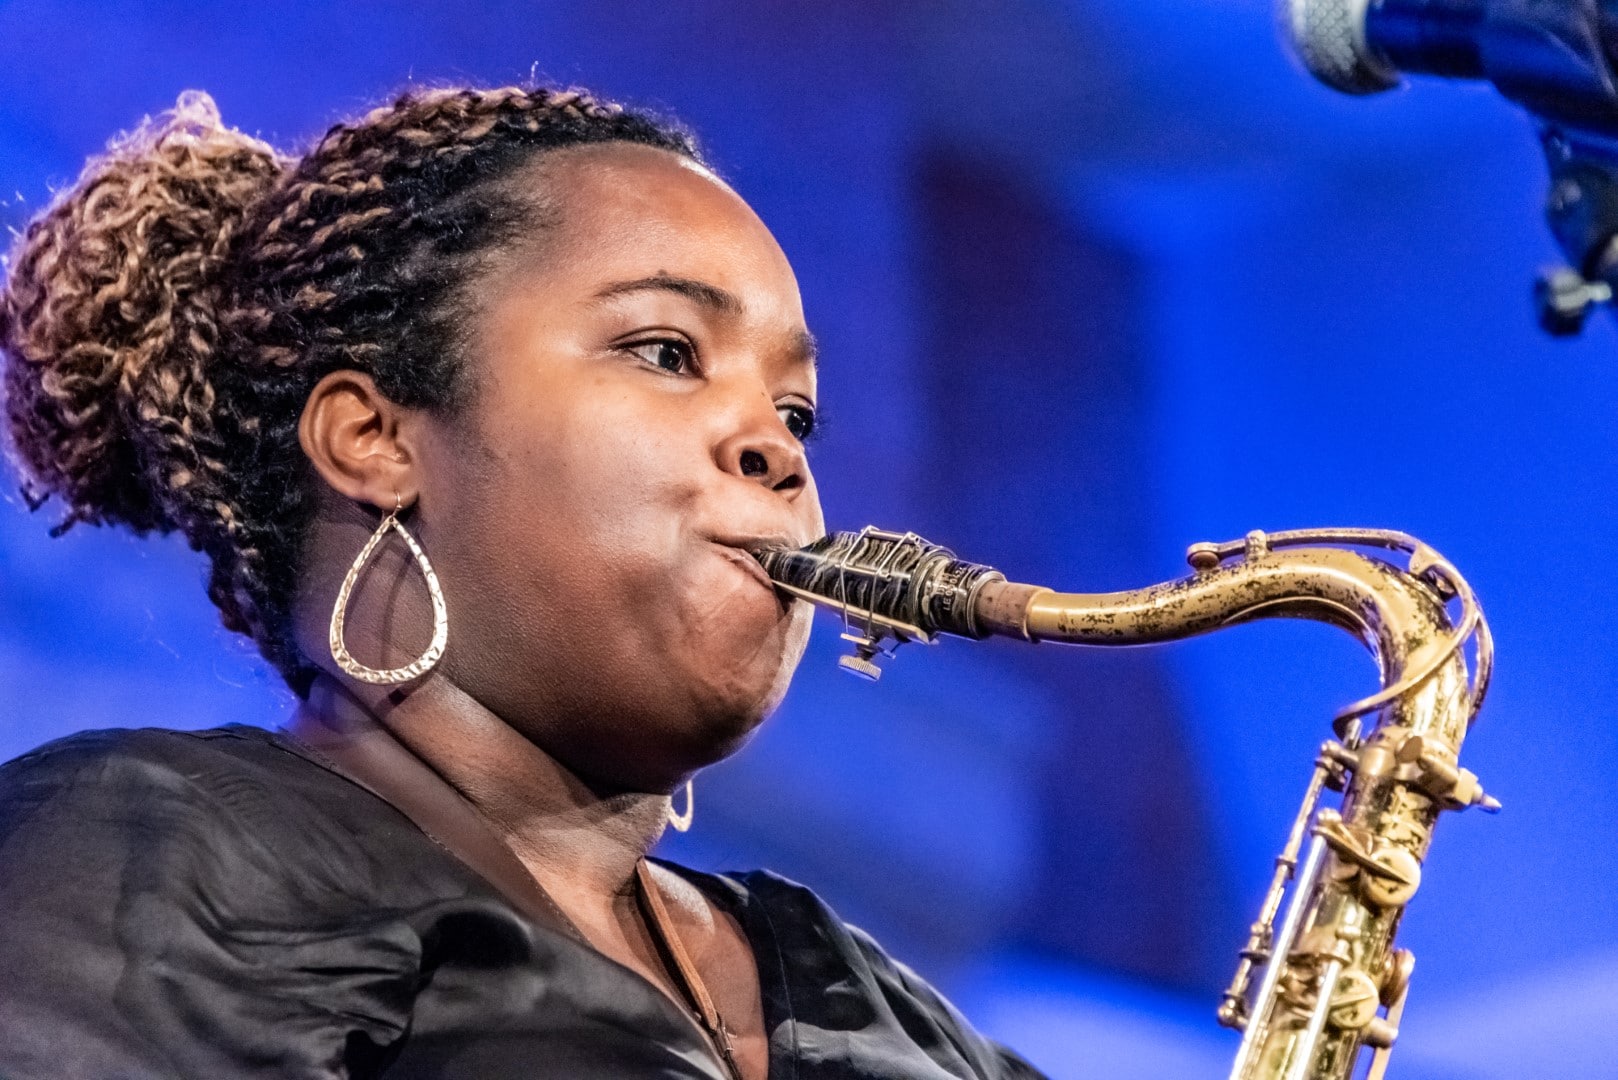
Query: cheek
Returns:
{"type": "Point", "coordinates": [603, 485]}
{"type": "Point", "coordinates": [560, 523]}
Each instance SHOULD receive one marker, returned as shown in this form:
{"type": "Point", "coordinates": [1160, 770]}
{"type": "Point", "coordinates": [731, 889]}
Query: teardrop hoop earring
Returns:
{"type": "Point", "coordinates": [435, 650]}
{"type": "Point", "coordinates": [682, 821]}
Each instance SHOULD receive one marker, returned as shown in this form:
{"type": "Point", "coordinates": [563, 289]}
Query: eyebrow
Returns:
{"type": "Point", "coordinates": [709, 296]}
{"type": "Point", "coordinates": [805, 345]}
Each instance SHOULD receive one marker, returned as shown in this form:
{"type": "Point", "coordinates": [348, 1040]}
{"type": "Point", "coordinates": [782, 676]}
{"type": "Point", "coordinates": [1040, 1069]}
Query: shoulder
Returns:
{"type": "Point", "coordinates": [159, 883]}
{"type": "Point", "coordinates": [146, 761]}
{"type": "Point", "coordinates": [160, 790]}
{"type": "Point", "coordinates": [109, 751]}
{"type": "Point", "coordinates": [148, 764]}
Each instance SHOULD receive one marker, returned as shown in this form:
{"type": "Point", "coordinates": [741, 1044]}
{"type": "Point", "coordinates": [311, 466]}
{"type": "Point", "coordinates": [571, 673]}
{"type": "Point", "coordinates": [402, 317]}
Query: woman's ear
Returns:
{"type": "Point", "coordinates": [359, 441]}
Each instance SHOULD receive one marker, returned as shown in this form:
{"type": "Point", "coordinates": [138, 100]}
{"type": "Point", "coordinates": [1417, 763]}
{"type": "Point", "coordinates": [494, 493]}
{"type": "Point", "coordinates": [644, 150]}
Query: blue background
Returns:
{"type": "Point", "coordinates": [1095, 279]}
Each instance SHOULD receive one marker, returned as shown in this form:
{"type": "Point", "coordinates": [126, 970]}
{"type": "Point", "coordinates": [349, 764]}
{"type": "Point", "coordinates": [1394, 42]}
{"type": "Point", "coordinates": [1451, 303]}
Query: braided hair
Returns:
{"type": "Point", "coordinates": [165, 319]}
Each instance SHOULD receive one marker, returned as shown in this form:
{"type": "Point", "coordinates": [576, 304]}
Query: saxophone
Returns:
{"type": "Point", "coordinates": [1313, 991]}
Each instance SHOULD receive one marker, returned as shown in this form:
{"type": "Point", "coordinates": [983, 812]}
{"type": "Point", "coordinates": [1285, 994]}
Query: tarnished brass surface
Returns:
{"type": "Point", "coordinates": [1329, 968]}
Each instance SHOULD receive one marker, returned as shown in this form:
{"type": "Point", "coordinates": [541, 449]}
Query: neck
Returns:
{"type": "Point", "coordinates": [580, 842]}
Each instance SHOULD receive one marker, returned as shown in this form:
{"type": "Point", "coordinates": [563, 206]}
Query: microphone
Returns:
{"type": "Point", "coordinates": [1334, 39]}
{"type": "Point", "coordinates": [1553, 57]}
{"type": "Point", "coordinates": [1550, 56]}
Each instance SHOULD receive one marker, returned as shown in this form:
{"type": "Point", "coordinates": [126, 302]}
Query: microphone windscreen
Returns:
{"type": "Point", "coordinates": [1328, 38]}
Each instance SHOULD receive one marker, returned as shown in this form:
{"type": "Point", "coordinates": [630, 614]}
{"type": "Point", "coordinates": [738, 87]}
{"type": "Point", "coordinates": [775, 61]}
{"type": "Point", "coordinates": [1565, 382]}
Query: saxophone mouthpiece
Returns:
{"type": "Point", "coordinates": [889, 588]}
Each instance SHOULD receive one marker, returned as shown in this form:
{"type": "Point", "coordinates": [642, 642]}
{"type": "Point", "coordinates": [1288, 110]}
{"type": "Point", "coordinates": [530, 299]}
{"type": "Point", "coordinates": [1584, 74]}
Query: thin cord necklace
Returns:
{"type": "Point", "coordinates": [676, 961]}
{"type": "Point", "coordinates": [680, 965]}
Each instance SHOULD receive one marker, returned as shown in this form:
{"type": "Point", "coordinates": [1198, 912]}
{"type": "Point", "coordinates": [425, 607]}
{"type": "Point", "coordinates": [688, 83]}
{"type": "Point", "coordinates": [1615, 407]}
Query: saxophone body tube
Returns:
{"type": "Point", "coordinates": [1309, 992]}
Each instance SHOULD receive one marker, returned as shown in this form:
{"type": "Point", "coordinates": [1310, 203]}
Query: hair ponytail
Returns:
{"type": "Point", "coordinates": [110, 322]}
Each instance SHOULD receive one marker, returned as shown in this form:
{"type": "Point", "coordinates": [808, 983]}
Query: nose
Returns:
{"type": "Point", "coordinates": [761, 449]}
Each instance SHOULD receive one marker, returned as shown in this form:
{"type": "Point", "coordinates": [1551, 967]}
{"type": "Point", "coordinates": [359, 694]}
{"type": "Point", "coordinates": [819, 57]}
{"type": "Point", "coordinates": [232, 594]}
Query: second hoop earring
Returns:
{"type": "Point", "coordinates": [682, 821]}
{"type": "Point", "coordinates": [435, 649]}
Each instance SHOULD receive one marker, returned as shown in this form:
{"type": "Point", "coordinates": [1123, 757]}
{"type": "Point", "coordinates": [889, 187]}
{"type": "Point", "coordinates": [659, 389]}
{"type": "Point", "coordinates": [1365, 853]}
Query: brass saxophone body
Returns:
{"type": "Point", "coordinates": [1325, 982]}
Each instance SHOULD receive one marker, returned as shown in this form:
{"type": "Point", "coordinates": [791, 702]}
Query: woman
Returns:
{"type": "Point", "coordinates": [477, 410]}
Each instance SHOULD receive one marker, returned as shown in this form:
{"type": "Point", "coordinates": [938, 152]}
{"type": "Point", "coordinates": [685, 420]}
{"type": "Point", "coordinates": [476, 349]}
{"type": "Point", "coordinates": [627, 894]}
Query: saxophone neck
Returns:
{"type": "Point", "coordinates": [1370, 598]}
{"type": "Point", "coordinates": [1400, 614]}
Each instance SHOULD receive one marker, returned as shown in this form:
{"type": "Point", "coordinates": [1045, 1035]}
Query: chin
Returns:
{"type": "Point", "coordinates": [725, 716]}
{"type": "Point", "coordinates": [735, 698]}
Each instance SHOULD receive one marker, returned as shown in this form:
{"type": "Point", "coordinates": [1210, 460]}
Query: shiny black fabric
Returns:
{"type": "Point", "coordinates": [217, 904]}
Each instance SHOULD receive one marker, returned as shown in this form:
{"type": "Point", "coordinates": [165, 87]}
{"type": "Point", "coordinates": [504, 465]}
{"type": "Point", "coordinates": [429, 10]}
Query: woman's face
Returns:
{"type": "Point", "coordinates": [643, 380]}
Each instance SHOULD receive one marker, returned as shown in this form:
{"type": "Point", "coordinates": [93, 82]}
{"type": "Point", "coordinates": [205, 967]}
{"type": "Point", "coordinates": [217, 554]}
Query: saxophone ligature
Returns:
{"type": "Point", "coordinates": [1313, 991]}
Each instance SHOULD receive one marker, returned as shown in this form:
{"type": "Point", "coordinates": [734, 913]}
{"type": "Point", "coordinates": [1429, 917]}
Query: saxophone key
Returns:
{"type": "Point", "coordinates": [1355, 1001]}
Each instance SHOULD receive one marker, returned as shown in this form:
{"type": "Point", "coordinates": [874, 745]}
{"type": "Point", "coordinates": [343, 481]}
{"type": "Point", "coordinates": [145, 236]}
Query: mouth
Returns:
{"type": "Point", "coordinates": [744, 554]}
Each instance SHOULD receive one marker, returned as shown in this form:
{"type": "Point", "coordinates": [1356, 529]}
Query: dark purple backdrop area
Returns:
{"type": "Point", "coordinates": [1095, 279]}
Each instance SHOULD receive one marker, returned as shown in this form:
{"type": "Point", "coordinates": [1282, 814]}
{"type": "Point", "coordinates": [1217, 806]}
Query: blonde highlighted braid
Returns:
{"type": "Point", "coordinates": [164, 320]}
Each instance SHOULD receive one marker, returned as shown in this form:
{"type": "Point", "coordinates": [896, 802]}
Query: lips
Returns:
{"type": "Point", "coordinates": [740, 551]}
{"type": "Point", "coordinates": [763, 542]}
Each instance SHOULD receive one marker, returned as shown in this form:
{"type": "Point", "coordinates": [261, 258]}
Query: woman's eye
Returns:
{"type": "Point", "coordinates": [799, 419]}
{"type": "Point", "coordinates": [669, 354]}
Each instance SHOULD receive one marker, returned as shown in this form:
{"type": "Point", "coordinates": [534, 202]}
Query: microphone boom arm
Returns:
{"type": "Point", "coordinates": [1555, 58]}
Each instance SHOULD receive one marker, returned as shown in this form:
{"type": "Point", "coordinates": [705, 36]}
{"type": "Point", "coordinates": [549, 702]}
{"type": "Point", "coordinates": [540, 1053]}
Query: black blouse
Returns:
{"type": "Point", "coordinates": [221, 904]}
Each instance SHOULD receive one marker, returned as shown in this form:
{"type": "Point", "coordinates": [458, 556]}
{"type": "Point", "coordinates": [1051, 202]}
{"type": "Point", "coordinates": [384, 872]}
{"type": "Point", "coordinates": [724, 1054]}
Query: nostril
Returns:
{"type": "Point", "coordinates": [753, 463]}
